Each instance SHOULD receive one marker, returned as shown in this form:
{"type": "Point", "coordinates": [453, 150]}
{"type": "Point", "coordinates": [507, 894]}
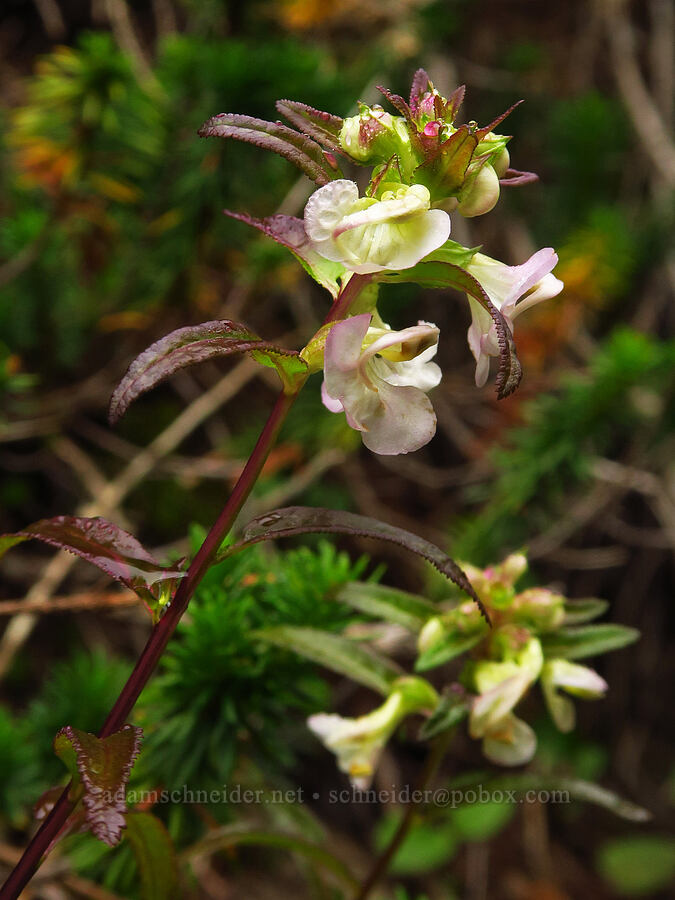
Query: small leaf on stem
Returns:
{"type": "Point", "coordinates": [102, 766]}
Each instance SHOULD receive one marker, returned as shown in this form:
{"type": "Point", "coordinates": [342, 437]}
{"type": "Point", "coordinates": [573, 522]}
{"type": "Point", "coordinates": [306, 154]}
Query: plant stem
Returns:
{"type": "Point", "coordinates": [382, 863]}
{"type": "Point", "coordinates": [159, 638]}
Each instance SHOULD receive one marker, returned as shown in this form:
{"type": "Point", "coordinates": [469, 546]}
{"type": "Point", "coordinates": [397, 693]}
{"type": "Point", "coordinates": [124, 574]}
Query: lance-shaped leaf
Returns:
{"type": "Point", "coordinates": [574, 788]}
{"type": "Point", "coordinates": [420, 85]}
{"type": "Point", "coordinates": [515, 178]}
{"type": "Point", "coordinates": [587, 640]}
{"type": "Point", "coordinates": [578, 611]}
{"type": "Point", "coordinates": [453, 706]}
{"type": "Point", "coordinates": [290, 232]}
{"type": "Point", "coordinates": [155, 855]}
{"type": "Point", "coordinates": [335, 652]}
{"type": "Point", "coordinates": [446, 169]}
{"type": "Point", "coordinates": [102, 766]}
{"type": "Point", "coordinates": [432, 272]}
{"type": "Point", "coordinates": [324, 127]}
{"type": "Point", "coordinates": [390, 604]}
{"type": "Point", "coordinates": [450, 646]}
{"type": "Point", "coordinates": [455, 100]}
{"type": "Point", "coordinates": [294, 520]}
{"type": "Point", "coordinates": [299, 149]}
{"type": "Point", "coordinates": [194, 344]}
{"type": "Point", "coordinates": [486, 129]}
{"type": "Point", "coordinates": [105, 545]}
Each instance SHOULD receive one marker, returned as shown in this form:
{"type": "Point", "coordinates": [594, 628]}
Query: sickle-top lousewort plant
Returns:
{"type": "Point", "coordinates": [425, 167]}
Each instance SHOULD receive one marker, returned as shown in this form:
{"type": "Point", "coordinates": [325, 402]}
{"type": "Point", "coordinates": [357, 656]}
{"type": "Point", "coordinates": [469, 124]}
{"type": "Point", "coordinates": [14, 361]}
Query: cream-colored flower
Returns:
{"type": "Point", "coordinates": [368, 235]}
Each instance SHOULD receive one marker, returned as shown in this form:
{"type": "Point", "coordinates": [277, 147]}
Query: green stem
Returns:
{"type": "Point", "coordinates": [383, 861]}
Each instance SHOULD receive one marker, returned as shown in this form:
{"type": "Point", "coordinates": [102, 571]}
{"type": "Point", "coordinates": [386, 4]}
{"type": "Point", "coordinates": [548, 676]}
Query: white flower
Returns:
{"type": "Point", "coordinates": [505, 286]}
{"type": "Point", "coordinates": [378, 378]}
{"type": "Point", "coordinates": [507, 740]}
{"type": "Point", "coordinates": [368, 235]}
{"type": "Point", "coordinates": [580, 681]}
{"type": "Point", "coordinates": [358, 743]}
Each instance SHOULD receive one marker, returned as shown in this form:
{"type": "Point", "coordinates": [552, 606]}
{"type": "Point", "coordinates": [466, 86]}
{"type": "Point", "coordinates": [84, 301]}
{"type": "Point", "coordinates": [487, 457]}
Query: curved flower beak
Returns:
{"type": "Point", "coordinates": [379, 379]}
{"type": "Point", "coordinates": [368, 235]}
{"type": "Point", "coordinates": [580, 681]}
{"type": "Point", "coordinates": [512, 289]}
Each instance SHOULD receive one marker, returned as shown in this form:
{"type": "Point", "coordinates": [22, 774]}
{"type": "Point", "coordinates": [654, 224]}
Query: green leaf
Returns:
{"type": "Point", "coordinates": [483, 820]}
{"type": "Point", "coordinates": [576, 788]}
{"type": "Point", "coordinates": [387, 603]}
{"type": "Point", "coordinates": [155, 855]}
{"type": "Point", "coordinates": [102, 766]}
{"type": "Point", "coordinates": [638, 865]}
{"type": "Point", "coordinates": [451, 710]}
{"type": "Point", "coordinates": [587, 640]}
{"type": "Point", "coordinates": [337, 653]}
{"type": "Point", "coordinates": [427, 845]}
{"type": "Point", "coordinates": [577, 611]}
{"type": "Point", "coordinates": [294, 520]}
{"type": "Point", "coordinates": [451, 645]}
{"type": "Point", "coordinates": [235, 835]}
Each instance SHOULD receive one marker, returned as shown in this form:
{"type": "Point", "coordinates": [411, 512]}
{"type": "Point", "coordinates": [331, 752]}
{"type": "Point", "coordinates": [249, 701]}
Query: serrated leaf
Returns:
{"type": "Point", "coordinates": [451, 710]}
{"type": "Point", "coordinates": [194, 344]}
{"type": "Point", "coordinates": [290, 232]}
{"type": "Point", "coordinates": [450, 646]}
{"type": "Point", "coordinates": [390, 604]}
{"type": "Point", "coordinates": [587, 640]}
{"type": "Point", "coordinates": [420, 85]}
{"type": "Point", "coordinates": [335, 652]}
{"type": "Point", "coordinates": [294, 520]}
{"type": "Point", "coordinates": [103, 766]}
{"type": "Point", "coordinates": [486, 129]}
{"type": "Point", "coordinates": [577, 788]}
{"type": "Point", "coordinates": [155, 855]}
{"type": "Point", "coordinates": [577, 611]}
{"type": "Point", "coordinates": [324, 127]}
{"type": "Point", "coordinates": [105, 545]}
{"type": "Point", "coordinates": [455, 100]}
{"type": "Point", "coordinates": [436, 273]}
{"type": "Point", "coordinates": [297, 148]}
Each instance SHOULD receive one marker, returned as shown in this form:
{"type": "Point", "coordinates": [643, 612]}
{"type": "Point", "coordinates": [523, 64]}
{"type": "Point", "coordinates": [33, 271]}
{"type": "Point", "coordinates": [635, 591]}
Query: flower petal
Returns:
{"type": "Point", "coordinates": [514, 744]}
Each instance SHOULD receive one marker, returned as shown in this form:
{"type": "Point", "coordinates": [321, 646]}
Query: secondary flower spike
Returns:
{"type": "Point", "coordinates": [379, 379]}
{"type": "Point", "coordinates": [368, 235]}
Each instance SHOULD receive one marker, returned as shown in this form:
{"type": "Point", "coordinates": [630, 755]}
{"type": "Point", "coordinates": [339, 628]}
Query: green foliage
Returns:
{"type": "Point", "coordinates": [79, 692]}
{"type": "Point", "coordinates": [628, 389]}
{"type": "Point", "coordinates": [19, 769]}
{"type": "Point", "coordinates": [219, 687]}
{"type": "Point", "coordinates": [638, 865]}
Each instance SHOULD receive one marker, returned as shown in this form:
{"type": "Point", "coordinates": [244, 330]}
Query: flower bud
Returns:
{"type": "Point", "coordinates": [483, 194]}
{"type": "Point", "coordinates": [374, 136]}
{"type": "Point", "coordinates": [539, 608]}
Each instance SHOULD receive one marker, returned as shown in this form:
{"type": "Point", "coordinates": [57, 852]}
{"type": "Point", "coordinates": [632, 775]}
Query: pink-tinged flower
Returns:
{"type": "Point", "coordinates": [368, 235]}
{"type": "Point", "coordinates": [512, 289]}
{"type": "Point", "coordinates": [379, 379]}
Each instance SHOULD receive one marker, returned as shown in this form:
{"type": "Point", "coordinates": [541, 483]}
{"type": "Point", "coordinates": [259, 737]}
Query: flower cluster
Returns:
{"type": "Point", "coordinates": [534, 637]}
{"type": "Point", "coordinates": [425, 166]}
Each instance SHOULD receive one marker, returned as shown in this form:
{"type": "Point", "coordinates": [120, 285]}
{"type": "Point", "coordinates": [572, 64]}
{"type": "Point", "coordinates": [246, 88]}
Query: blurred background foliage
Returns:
{"type": "Point", "coordinates": [111, 234]}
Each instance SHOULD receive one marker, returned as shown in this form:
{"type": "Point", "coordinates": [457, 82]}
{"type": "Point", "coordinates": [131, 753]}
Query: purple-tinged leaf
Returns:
{"type": "Point", "coordinates": [419, 87]}
{"type": "Point", "coordinates": [455, 100]}
{"type": "Point", "coordinates": [102, 766]}
{"type": "Point", "coordinates": [438, 273]}
{"type": "Point", "coordinates": [194, 344]}
{"type": "Point", "coordinates": [446, 169]}
{"type": "Point", "coordinates": [396, 101]}
{"type": "Point", "coordinates": [155, 855]}
{"type": "Point", "coordinates": [383, 174]}
{"type": "Point", "coordinates": [324, 127]}
{"type": "Point", "coordinates": [294, 520]}
{"type": "Point", "coordinates": [297, 148]}
{"type": "Point", "coordinates": [515, 178]}
{"type": "Point", "coordinates": [105, 545]}
{"type": "Point", "coordinates": [290, 232]}
{"type": "Point", "coordinates": [486, 129]}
